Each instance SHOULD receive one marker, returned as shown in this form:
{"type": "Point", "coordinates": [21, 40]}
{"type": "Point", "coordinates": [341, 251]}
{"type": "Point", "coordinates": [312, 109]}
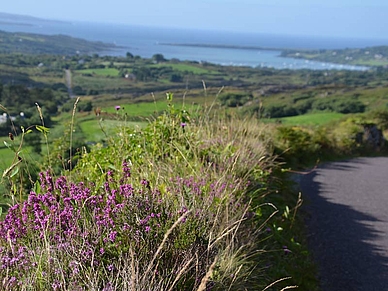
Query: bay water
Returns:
{"type": "Point", "coordinates": [147, 41]}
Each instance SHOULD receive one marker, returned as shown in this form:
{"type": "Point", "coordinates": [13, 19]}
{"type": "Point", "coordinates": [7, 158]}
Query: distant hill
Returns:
{"type": "Point", "coordinates": [16, 19]}
{"type": "Point", "coordinates": [28, 43]}
{"type": "Point", "coordinates": [370, 56]}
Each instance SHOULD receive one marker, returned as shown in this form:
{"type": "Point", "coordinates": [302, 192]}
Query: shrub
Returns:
{"type": "Point", "coordinates": [276, 111]}
{"type": "Point", "coordinates": [124, 233]}
{"type": "Point", "coordinates": [182, 204]}
{"type": "Point", "coordinates": [234, 99]}
{"type": "Point", "coordinates": [296, 145]}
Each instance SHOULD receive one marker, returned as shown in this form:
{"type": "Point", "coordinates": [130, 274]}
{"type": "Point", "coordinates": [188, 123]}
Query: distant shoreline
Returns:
{"type": "Point", "coordinates": [222, 46]}
{"type": "Point", "coordinates": [15, 23]}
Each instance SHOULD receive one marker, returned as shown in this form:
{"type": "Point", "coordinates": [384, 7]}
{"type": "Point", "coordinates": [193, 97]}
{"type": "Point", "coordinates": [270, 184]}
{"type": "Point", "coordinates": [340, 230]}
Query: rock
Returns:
{"type": "Point", "coordinates": [373, 137]}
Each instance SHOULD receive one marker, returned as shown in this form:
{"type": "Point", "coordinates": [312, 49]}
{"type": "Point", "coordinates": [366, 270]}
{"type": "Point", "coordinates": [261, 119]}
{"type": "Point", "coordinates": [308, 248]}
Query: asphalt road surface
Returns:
{"type": "Point", "coordinates": [347, 218]}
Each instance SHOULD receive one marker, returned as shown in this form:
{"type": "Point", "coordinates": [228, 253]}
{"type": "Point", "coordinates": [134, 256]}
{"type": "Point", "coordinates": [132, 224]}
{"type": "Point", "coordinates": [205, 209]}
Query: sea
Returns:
{"type": "Point", "coordinates": [147, 41]}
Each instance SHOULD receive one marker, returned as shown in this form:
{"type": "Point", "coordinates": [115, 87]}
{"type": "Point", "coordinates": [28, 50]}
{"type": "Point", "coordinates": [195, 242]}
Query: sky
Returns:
{"type": "Point", "coordinates": [335, 18]}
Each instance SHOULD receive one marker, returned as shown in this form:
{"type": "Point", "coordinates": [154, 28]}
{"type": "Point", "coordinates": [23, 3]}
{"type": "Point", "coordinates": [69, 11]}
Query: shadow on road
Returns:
{"type": "Point", "coordinates": [342, 238]}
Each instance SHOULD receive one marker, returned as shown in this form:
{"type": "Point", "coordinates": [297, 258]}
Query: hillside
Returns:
{"type": "Point", "coordinates": [28, 43]}
{"type": "Point", "coordinates": [370, 56]}
{"type": "Point", "coordinates": [167, 174]}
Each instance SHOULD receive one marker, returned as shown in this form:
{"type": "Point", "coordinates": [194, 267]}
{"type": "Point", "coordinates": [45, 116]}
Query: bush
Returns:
{"type": "Point", "coordinates": [182, 204]}
{"type": "Point", "coordinates": [296, 145]}
{"type": "Point", "coordinates": [340, 106]}
{"type": "Point", "coordinates": [91, 230]}
{"type": "Point", "coordinates": [277, 111]}
{"type": "Point", "coordinates": [234, 99]}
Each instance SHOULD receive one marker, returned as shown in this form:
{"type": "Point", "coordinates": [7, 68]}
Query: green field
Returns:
{"type": "Point", "coordinates": [186, 68]}
{"type": "Point", "coordinates": [99, 82]}
{"type": "Point", "coordinates": [100, 72]}
{"type": "Point", "coordinates": [312, 118]}
{"type": "Point", "coordinates": [144, 109]}
{"type": "Point", "coordinates": [6, 158]}
{"type": "Point", "coordinates": [93, 129]}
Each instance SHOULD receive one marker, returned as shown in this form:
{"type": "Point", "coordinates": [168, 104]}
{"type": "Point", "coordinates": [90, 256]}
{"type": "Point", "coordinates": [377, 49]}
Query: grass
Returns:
{"type": "Point", "coordinates": [138, 109]}
{"type": "Point", "coordinates": [217, 166]}
{"type": "Point", "coordinates": [100, 72]}
{"type": "Point", "coordinates": [252, 222]}
{"type": "Point", "coordinates": [187, 68]}
{"type": "Point", "coordinates": [318, 118]}
{"type": "Point", "coordinates": [99, 82]}
{"type": "Point", "coordinates": [142, 109]}
{"type": "Point", "coordinates": [191, 213]}
{"type": "Point", "coordinates": [6, 158]}
{"type": "Point", "coordinates": [93, 129]}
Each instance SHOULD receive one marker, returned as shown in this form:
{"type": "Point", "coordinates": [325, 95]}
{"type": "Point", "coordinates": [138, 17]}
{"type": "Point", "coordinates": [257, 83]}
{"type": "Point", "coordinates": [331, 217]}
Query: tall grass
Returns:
{"type": "Point", "coordinates": [179, 205]}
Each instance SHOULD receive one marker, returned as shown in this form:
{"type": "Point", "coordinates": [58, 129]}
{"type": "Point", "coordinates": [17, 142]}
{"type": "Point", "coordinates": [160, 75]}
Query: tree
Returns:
{"type": "Point", "coordinates": [175, 78]}
{"type": "Point", "coordinates": [129, 55]}
{"type": "Point", "coordinates": [158, 58]}
{"type": "Point", "coordinates": [77, 90]}
{"type": "Point", "coordinates": [142, 74]}
{"type": "Point", "coordinates": [50, 107]}
{"type": "Point", "coordinates": [85, 106]}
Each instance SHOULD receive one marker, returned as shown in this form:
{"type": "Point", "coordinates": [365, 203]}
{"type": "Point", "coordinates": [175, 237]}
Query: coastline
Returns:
{"type": "Point", "coordinates": [223, 46]}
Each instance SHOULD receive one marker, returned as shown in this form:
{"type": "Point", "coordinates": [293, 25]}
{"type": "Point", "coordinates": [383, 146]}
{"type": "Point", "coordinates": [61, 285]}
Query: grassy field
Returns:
{"type": "Point", "coordinates": [187, 68]}
{"type": "Point", "coordinates": [100, 72]}
{"type": "Point", "coordinates": [99, 82]}
{"type": "Point", "coordinates": [311, 119]}
{"type": "Point", "coordinates": [143, 109]}
{"type": "Point", "coordinates": [93, 129]}
{"type": "Point", "coordinates": [6, 158]}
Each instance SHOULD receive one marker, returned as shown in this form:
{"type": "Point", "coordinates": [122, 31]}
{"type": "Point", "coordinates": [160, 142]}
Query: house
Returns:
{"type": "Point", "coordinates": [131, 77]}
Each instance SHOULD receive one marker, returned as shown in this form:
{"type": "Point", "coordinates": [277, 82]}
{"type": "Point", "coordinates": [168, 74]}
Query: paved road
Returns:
{"type": "Point", "coordinates": [347, 218]}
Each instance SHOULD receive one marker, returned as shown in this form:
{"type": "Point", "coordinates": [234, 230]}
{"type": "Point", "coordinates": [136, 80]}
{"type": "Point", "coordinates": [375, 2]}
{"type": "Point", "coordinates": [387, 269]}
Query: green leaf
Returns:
{"type": "Point", "coordinates": [42, 129]}
{"type": "Point", "coordinates": [37, 188]}
{"type": "Point", "coordinates": [169, 96]}
{"type": "Point", "coordinates": [258, 212]}
{"type": "Point", "coordinates": [7, 172]}
{"type": "Point", "coordinates": [10, 146]}
{"type": "Point", "coordinates": [14, 172]}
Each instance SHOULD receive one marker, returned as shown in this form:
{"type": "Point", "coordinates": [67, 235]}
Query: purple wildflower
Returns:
{"type": "Point", "coordinates": [126, 170]}
{"type": "Point", "coordinates": [117, 107]}
{"type": "Point", "coordinates": [286, 250]}
{"type": "Point", "coordinates": [112, 236]}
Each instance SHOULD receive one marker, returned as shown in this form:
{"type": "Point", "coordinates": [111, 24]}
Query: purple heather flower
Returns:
{"type": "Point", "coordinates": [286, 250]}
{"type": "Point", "coordinates": [117, 107]}
{"type": "Point", "coordinates": [183, 124]}
{"type": "Point", "coordinates": [108, 287]}
{"type": "Point", "coordinates": [112, 236]}
{"type": "Point", "coordinates": [126, 169]}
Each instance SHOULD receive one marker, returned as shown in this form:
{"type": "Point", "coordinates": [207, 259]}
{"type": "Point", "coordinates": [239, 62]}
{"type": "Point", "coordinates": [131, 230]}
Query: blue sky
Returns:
{"type": "Point", "coordinates": [355, 19]}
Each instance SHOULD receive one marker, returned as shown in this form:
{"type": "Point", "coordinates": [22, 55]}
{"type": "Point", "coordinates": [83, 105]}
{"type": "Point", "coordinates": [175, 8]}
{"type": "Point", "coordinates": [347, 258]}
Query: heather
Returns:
{"type": "Point", "coordinates": [194, 201]}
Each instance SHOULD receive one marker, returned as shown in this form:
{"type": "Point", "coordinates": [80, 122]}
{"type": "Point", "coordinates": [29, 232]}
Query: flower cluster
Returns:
{"type": "Point", "coordinates": [77, 226]}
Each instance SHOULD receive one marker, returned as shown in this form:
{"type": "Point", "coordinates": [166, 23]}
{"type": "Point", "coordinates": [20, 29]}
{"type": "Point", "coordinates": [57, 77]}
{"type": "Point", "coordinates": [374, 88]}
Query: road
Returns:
{"type": "Point", "coordinates": [68, 83]}
{"type": "Point", "coordinates": [347, 220]}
